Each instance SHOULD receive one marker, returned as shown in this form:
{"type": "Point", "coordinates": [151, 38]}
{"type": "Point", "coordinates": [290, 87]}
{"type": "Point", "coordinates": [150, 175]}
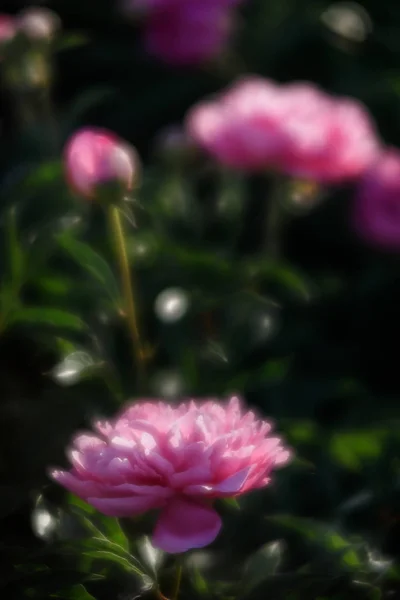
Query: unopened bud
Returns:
{"type": "Point", "coordinates": [96, 157]}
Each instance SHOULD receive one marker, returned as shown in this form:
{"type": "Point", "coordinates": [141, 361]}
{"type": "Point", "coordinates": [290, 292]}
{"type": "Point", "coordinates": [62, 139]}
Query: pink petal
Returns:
{"type": "Point", "coordinates": [130, 490]}
{"type": "Point", "coordinates": [86, 441]}
{"type": "Point", "coordinates": [79, 487]}
{"type": "Point", "coordinates": [125, 507]}
{"type": "Point", "coordinates": [231, 485]}
{"type": "Point", "coordinates": [197, 474]}
{"type": "Point", "coordinates": [186, 524]}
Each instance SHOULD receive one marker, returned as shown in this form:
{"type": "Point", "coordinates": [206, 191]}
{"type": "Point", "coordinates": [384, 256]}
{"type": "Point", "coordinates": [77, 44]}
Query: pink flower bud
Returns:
{"type": "Point", "coordinates": [376, 211]}
{"type": "Point", "coordinates": [295, 129]}
{"type": "Point", "coordinates": [96, 156]}
{"type": "Point", "coordinates": [38, 23]}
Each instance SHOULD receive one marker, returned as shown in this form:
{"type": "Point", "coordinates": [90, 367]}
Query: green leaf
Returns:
{"type": "Point", "coordinates": [302, 431]}
{"type": "Point", "coordinates": [16, 255]}
{"type": "Point", "coordinates": [107, 556]}
{"type": "Point", "coordinates": [72, 40]}
{"type": "Point", "coordinates": [199, 261]}
{"type": "Point", "coordinates": [281, 274]}
{"type": "Point", "coordinates": [52, 317]}
{"type": "Point", "coordinates": [82, 507]}
{"type": "Point", "coordinates": [199, 582]}
{"type": "Point", "coordinates": [74, 367]}
{"type": "Point", "coordinates": [76, 592]}
{"type": "Point", "coordinates": [231, 503]}
{"type": "Point", "coordinates": [33, 177]}
{"type": "Point", "coordinates": [353, 448]}
{"type": "Point", "coordinates": [262, 564]}
{"type": "Point", "coordinates": [91, 262]}
{"type": "Point", "coordinates": [322, 536]}
{"type": "Point", "coordinates": [107, 529]}
{"type": "Point", "coordinates": [54, 285]}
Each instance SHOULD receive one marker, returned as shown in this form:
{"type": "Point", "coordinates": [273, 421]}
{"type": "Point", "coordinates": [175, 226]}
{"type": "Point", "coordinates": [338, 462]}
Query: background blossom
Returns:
{"type": "Point", "coordinates": [296, 129]}
{"type": "Point", "coordinates": [185, 32]}
{"type": "Point", "coordinates": [376, 212]}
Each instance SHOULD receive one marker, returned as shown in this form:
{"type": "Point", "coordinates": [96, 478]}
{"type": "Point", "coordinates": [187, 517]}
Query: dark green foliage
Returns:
{"type": "Point", "coordinates": [310, 340]}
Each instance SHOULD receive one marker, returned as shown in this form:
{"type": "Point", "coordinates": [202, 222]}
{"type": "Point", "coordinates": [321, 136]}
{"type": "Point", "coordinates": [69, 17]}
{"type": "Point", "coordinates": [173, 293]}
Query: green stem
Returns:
{"type": "Point", "coordinates": [128, 291]}
{"type": "Point", "coordinates": [177, 581]}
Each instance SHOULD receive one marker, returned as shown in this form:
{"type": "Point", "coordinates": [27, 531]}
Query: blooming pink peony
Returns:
{"type": "Point", "coordinates": [176, 460]}
{"type": "Point", "coordinates": [296, 129]}
{"type": "Point", "coordinates": [376, 212]}
{"type": "Point", "coordinates": [95, 156]}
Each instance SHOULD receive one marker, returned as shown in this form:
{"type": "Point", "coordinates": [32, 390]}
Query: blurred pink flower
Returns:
{"type": "Point", "coordinates": [376, 211]}
{"type": "Point", "coordinates": [175, 459]}
{"type": "Point", "coordinates": [295, 129]}
{"type": "Point", "coordinates": [8, 28]}
{"type": "Point", "coordinates": [151, 6]}
{"type": "Point", "coordinates": [95, 156]}
{"type": "Point", "coordinates": [190, 35]}
{"type": "Point", "coordinates": [184, 32]}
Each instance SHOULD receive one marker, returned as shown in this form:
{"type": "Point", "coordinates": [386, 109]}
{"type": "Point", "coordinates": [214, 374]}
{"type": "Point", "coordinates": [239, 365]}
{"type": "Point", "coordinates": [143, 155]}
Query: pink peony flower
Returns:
{"type": "Point", "coordinates": [376, 211]}
{"type": "Point", "coordinates": [95, 156]}
{"type": "Point", "coordinates": [174, 459]}
{"type": "Point", "coordinates": [296, 129]}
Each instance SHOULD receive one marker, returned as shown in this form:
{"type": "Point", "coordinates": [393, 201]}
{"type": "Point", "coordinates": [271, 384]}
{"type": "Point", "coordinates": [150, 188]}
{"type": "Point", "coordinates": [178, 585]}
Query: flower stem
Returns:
{"type": "Point", "coordinates": [177, 581]}
{"type": "Point", "coordinates": [128, 290]}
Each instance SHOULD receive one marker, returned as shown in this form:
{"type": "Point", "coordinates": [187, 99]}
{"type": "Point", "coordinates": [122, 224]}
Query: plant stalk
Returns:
{"type": "Point", "coordinates": [178, 580]}
{"type": "Point", "coordinates": [129, 295]}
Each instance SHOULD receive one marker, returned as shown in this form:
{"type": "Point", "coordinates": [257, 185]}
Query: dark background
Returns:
{"type": "Point", "coordinates": [327, 372]}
